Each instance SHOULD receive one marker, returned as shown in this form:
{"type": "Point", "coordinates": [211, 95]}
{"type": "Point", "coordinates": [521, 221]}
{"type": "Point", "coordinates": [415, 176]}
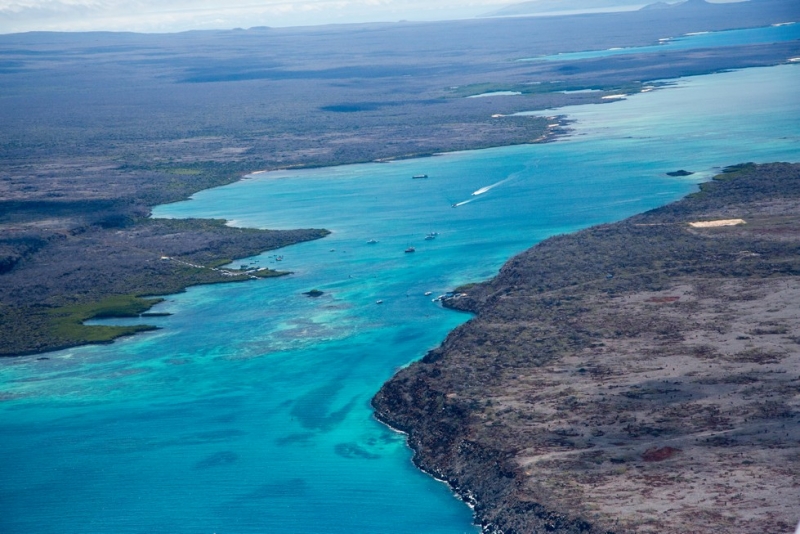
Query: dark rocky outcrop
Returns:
{"type": "Point", "coordinates": [633, 377]}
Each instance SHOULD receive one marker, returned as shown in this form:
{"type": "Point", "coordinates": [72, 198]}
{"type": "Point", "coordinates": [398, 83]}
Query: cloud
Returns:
{"type": "Point", "coordinates": [178, 15]}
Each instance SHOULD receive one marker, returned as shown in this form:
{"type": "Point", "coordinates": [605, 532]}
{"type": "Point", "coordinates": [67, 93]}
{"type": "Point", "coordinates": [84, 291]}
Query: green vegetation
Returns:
{"type": "Point", "coordinates": [219, 263]}
{"type": "Point", "coordinates": [269, 273]}
{"type": "Point", "coordinates": [464, 288]}
{"type": "Point", "coordinates": [110, 273]}
{"type": "Point", "coordinates": [730, 170]}
{"type": "Point", "coordinates": [66, 322]}
{"type": "Point", "coordinates": [183, 171]}
{"type": "Point", "coordinates": [31, 329]}
{"type": "Point", "coordinates": [178, 181]}
{"type": "Point", "coordinates": [73, 334]}
{"type": "Point", "coordinates": [114, 306]}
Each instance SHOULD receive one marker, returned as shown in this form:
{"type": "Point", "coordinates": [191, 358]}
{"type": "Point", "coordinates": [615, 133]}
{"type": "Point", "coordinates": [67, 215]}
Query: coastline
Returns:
{"type": "Point", "coordinates": [20, 318]}
{"type": "Point", "coordinates": [122, 280]}
{"type": "Point", "coordinates": [73, 318]}
{"type": "Point", "coordinates": [120, 182]}
{"type": "Point", "coordinates": [525, 419]}
{"type": "Point", "coordinates": [549, 134]}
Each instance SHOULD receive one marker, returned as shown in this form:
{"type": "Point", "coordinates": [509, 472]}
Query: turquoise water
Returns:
{"type": "Point", "coordinates": [749, 36]}
{"type": "Point", "coordinates": [249, 411]}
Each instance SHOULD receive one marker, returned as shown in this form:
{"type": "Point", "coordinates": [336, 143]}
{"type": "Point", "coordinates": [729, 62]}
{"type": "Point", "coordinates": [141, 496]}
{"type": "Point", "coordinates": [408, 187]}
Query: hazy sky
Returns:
{"type": "Point", "coordinates": [179, 15]}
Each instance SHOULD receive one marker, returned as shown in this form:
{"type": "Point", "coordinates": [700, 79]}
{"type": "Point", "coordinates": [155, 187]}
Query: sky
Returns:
{"type": "Point", "coordinates": [180, 15]}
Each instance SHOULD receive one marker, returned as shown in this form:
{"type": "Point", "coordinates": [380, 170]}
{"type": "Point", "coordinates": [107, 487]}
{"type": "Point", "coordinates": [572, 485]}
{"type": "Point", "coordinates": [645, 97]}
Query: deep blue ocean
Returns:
{"type": "Point", "coordinates": [248, 412]}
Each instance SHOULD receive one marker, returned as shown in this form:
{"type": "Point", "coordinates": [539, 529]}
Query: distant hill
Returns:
{"type": "Point", "coordinates": [545, 7]}
{"type": "Point", "coordinates": [657, 5]}
{"type": "Point", "coordinates": [683, 4]}
{"type": "Point", "coordinates": [535, 7]}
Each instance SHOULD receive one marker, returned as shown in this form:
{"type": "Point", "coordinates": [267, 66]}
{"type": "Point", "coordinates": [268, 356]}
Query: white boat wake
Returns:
{"type": "Point", "coordinates": [483, 190]}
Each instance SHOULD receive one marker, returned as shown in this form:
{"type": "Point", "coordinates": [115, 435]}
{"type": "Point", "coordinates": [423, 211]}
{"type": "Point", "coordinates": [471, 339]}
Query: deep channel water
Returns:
{"type": "Point", "coordinates": [249, 411]}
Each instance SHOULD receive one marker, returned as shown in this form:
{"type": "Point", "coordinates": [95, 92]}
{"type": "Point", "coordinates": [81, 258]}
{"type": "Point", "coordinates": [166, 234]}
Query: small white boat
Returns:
{"type": "Point", "coordinates": [378, 302]}
{"type": "Point", "coordinates": [371, 242]}
{"type": "Point", "coordinates": [428, 293]}
{"type": "Point", "coordinates": [419, 176]}
{"type": "Point", "coordinates": [410, 249]}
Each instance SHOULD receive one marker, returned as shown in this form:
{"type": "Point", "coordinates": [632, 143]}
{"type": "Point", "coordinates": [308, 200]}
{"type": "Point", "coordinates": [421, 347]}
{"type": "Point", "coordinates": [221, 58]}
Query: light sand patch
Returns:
{"type": "Point", "coordinates": [714, 224]}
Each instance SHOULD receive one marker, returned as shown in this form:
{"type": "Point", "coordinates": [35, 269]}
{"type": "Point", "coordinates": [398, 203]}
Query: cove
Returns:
{"type": "Point", "coordinates": [249, 411]}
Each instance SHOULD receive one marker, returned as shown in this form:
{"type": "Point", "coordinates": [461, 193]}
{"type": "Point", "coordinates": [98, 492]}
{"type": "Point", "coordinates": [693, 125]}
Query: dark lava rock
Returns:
{"type": "Point", "coordinates": [658, 455]}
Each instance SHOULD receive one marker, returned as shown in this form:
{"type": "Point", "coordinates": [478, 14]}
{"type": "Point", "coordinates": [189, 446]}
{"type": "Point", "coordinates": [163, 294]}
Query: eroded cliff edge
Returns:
{"type": "Point", "coordinates": [642, 376]}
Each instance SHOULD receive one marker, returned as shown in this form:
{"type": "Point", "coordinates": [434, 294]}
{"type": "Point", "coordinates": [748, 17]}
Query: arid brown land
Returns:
{"type": "Point", "coordinates": [642, 376]}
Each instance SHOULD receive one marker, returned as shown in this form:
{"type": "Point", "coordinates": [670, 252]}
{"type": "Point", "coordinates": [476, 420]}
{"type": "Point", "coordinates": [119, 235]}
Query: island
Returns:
{"type": "Point", "coordinates": [641, 376]}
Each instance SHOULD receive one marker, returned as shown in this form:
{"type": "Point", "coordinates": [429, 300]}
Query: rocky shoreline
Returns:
{"type": "Point", "coordinates": [640, 376]}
